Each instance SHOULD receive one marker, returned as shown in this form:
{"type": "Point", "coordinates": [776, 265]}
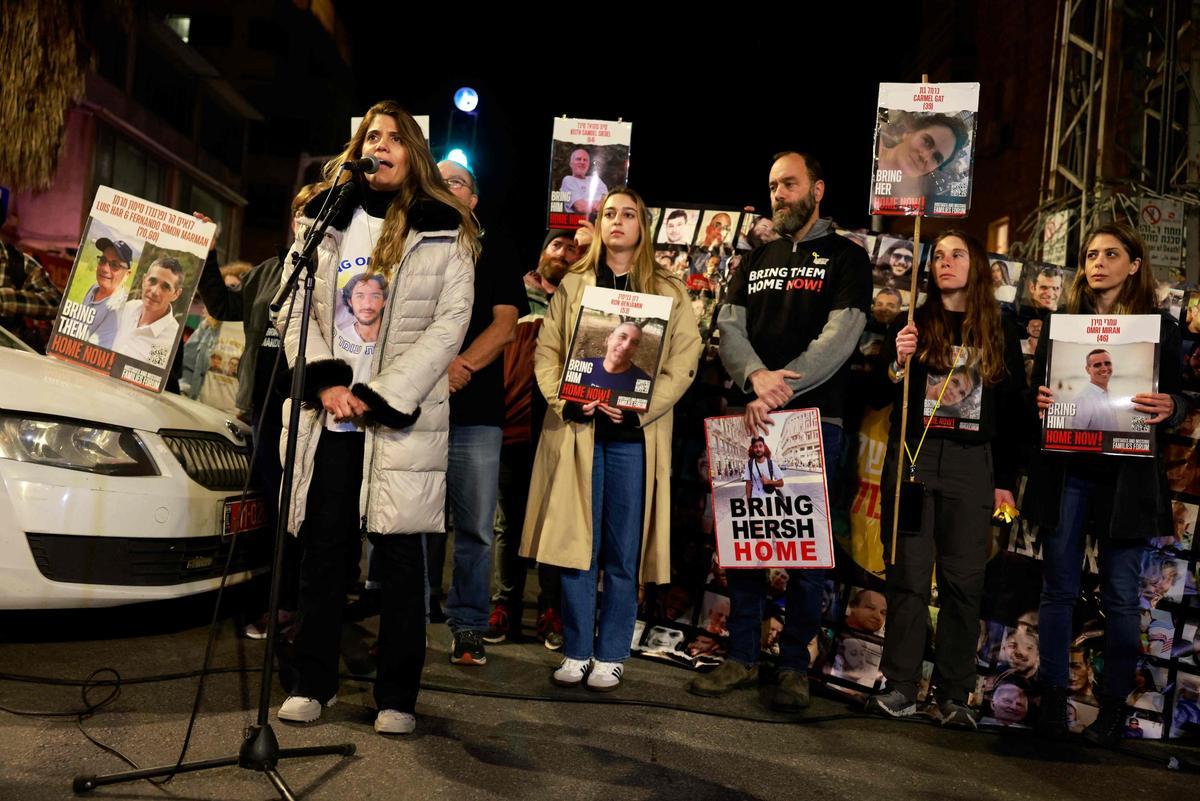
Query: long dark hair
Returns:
{"type": "Point", "coordinates": [981, 332]}
{"type": "Point", "coordinates": [1137, 293]}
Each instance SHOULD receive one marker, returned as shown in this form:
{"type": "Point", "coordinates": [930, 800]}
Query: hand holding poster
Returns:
{"type": "Point", "coordinates": [615, 349]}
{"type": "Point", "coordinates": [587, 157]}
{"type": "Point", "coordinates": [132, 282]}
{"type": "Point", "coordinates": [924, 149]}
{"type": "Point", "coordinates": [1096, 364]}
{"type": "Point", "coordinates": [769, 493]}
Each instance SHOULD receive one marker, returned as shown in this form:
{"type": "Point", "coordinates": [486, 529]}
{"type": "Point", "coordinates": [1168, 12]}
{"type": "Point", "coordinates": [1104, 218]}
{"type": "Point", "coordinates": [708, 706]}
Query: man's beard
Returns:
{"type": "Point", "coordinates": [552, 268]}
{"type": "Point", "coordinates": [791, 217]}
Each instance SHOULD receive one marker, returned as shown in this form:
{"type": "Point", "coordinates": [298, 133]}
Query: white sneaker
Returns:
{"type": "Point", "coordinates": [391, 721]}
{"type": "Point", "coordinates": [571, 672]}
{"type": "Point", "coordinates": [605, 676]}
{"type": "Point", "coordinates": [299, 709]}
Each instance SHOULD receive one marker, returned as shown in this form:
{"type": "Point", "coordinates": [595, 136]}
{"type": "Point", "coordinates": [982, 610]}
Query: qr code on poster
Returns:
{"type": "Point", "coordinates": [959, 188]}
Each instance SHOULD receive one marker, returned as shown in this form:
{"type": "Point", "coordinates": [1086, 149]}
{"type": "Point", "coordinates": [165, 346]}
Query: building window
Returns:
{"type": "Point", "coordinates": [997, 237]}
{"type": "Point", "coordinates": [166, 90]}
{"type": "Point", "coordinates": [124, 166]}
{"type": "Point", "coordinates": [197, 198]}
{"type": "Point", "coordinates": [180, 25]}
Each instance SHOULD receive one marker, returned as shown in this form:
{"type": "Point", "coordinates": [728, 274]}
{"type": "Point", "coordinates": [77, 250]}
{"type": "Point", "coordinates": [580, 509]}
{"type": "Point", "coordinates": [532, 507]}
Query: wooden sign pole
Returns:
{"type": "Point", "coordinates": [912, 308]}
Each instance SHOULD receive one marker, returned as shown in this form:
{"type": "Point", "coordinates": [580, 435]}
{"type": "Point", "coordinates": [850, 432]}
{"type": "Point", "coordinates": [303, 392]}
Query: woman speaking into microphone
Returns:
{"type": "Point", "coordinates": [390, 307]}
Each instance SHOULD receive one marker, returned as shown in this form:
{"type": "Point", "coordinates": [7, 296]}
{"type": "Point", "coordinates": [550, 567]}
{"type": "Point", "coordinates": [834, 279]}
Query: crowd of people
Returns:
{"type": "Point", "coordinates": [431, 401]}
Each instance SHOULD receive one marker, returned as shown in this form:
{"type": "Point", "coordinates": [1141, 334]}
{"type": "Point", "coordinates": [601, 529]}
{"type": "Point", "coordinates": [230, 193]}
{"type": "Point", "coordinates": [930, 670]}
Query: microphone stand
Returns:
{"type": "Point", "coordinates": [260, 749]}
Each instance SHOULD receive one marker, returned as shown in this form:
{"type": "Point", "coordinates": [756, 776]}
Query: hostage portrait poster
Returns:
{"type": "Point", "coordinates": [924, 149]}
{"type": "Point", "coordinates": [770, 497]}
{"type": "Point", "coordinates": [130, 288]}
{"type": "Point", "coordinates": [1095, 365]}
{"type": "Point", "coordinates": [615, 348]}
{"type": "Point", "coordinates": [587, 158]}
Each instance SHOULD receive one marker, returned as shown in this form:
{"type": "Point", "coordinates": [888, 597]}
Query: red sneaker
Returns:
{"type": "Point", "coordinates": [500, 625]}
{"type": "Point", "coordinates": [550, 629]}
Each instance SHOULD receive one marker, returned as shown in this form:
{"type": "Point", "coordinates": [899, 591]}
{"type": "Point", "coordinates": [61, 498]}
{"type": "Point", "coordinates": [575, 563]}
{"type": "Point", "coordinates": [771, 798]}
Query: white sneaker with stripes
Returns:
{"type": "Point", "coordinates": [605, 676]}
{"type": "Point", "coordinates": [571, 672]}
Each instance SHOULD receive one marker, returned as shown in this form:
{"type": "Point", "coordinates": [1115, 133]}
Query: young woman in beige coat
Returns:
{"type": "Point", "coordinates": [600, 493]}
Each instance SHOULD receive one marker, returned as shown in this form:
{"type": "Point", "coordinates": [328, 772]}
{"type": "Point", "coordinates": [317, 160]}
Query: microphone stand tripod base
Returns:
{"type": "Point", "coordinates": [260, 752]}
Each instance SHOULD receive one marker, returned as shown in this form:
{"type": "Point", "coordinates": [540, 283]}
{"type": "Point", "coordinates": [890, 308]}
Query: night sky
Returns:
{"type": "Point", "coordinates": [708, 111]}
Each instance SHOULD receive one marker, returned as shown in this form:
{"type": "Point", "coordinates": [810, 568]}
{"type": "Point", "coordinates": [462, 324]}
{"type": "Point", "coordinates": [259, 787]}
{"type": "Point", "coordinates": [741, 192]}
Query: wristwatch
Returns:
{"type": "Point", "coordinates": [896, 370]}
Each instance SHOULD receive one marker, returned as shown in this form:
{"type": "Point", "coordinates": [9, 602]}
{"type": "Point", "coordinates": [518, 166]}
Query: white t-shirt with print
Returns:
{"type": "Point", "coordinates": [357, 245]}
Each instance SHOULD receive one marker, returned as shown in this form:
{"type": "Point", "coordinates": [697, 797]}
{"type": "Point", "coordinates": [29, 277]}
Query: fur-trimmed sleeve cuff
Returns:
{"type": "Point", "coordinates": [381, 411]}
{"type": "Point", "coordinates": [323, 374]}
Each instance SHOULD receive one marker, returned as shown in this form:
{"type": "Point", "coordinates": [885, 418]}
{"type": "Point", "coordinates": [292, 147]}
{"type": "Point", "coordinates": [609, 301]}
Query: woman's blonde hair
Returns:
{"type": "Point", "coordinates": [645, 274]}
{"type": "Point", "coordinates": [423, 179]}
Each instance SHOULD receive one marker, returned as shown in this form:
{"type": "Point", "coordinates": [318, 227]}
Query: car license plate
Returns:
{"type": "Point", "coordinates": [246, 515]}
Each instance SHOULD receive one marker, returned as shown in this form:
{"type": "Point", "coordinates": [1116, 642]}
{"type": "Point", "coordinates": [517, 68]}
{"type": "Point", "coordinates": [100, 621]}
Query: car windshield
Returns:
{"type": "Point", "coordinates": [9, 340]}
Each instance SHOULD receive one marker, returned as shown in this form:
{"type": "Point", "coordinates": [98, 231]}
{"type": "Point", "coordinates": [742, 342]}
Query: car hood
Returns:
{"type": "Point", "coordinates": [41, 385]}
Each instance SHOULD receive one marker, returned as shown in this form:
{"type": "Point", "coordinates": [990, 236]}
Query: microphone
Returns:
{"type": "Point", "coordinates": [367, 165]}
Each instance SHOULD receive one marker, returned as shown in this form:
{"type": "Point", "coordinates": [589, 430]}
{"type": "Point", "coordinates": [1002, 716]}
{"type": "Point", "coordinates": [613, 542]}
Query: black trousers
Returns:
{"type": "Point", "coordinates": [330, 534]}
{"type": "Point", "coordinates": [511, 569]}
{"type": "Point", "coordinates": [955, 526]}
{"type": "Point", "coordinates": [268, 475]}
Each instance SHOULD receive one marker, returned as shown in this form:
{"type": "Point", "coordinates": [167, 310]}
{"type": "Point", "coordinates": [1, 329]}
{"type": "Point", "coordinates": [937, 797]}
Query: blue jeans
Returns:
{"type": "Point", "coordinates": [802, 621]}
{"type": "Point", "coordinates": [618, 489]}
{"type": "Point", "coordinates": [472, 477]}
{"type": "Point", "coordinates": [1062, 564]}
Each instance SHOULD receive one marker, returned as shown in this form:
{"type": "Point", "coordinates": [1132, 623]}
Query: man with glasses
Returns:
{"type": "Point", "coordinates": [899, 263]}
{"type": "Point", "coordinates": [107, 295]}
{"type": "Point", "coordinates": [476, 416]}
{"type": "Point", "coordinates": [147, 328]}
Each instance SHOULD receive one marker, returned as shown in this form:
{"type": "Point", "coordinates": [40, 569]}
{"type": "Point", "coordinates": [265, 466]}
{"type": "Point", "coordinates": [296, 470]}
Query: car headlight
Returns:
{"type": "Point", "coordinates": [74, 446]}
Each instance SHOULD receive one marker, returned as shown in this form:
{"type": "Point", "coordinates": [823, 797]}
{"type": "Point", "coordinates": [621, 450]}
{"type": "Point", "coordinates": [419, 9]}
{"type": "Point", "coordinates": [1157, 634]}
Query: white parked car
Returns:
{"type": "Point", "coordinates": [113, 495]}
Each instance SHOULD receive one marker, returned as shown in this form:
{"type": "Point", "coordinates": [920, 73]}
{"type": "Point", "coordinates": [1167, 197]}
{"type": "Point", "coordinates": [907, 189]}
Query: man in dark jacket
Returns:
{"type": "Point", "coordinates": [791, 322]}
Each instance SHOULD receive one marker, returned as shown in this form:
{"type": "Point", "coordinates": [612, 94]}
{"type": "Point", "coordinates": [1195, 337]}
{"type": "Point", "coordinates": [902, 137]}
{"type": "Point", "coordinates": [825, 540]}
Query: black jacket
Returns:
{"type": "Point", "coordinates": [1001, 417]}
{"type": "Point", "coordinates": [249, 304]}
{"type": "Point", "coordinates": [1140, 505]}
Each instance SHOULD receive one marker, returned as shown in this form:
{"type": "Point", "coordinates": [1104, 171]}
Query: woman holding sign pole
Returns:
{"type": "Point", "coordinates": [963, 464]}
{"type": "Point", "coordinates": [1125, 496]}
{"type": "Point", "coordinates": [600, 496]}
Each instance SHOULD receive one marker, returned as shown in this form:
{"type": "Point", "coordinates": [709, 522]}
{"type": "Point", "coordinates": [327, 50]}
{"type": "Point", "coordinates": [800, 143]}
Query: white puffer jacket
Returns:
{"type": "Point", "coordinates": [429, 306]}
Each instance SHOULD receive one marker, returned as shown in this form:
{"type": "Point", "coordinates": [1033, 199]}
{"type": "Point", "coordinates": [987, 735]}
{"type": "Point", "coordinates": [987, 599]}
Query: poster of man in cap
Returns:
{"type": "Point", "coordinates": [130, 286]}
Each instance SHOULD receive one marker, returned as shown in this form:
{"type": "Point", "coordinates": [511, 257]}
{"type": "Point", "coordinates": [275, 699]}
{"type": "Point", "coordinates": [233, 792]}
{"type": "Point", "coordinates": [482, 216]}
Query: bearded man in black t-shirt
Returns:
{"type": "Point", "coordinates": [791, 322]}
